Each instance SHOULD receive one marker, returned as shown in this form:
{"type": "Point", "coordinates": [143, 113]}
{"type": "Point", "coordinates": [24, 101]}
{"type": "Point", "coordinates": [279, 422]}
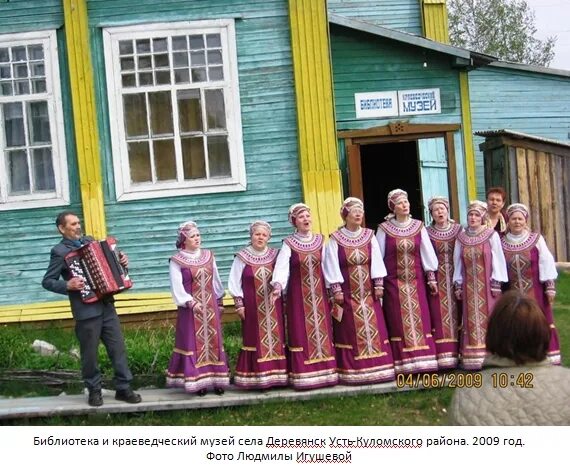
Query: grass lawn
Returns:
{"type": "Point", "coordinates": [149, 351]}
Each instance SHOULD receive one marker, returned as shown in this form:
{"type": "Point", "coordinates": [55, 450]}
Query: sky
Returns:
{"type": "Point", "coordinates": [552, 19]}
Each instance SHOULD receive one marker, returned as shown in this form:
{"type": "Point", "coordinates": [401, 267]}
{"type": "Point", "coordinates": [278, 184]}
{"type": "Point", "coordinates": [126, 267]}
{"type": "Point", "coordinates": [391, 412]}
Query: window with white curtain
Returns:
{"type": "Point", "coordinates": [174, 109]}
{"type": "Point", "coordinates": [33, 171]}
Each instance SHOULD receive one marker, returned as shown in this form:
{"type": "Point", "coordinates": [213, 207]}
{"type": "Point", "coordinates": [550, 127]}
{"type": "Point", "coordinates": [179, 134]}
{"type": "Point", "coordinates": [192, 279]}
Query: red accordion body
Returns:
{"type": "Point", "coordinates": [97, 262]}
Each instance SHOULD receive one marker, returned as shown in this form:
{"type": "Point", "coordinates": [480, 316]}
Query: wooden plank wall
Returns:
{"type": "Point", "coordinates": [524, 101]}
{"type": "Point", "coordinates": [403, 15]}
{"type": "Point", "coordinates": [366, 63]}
{"type": "Point", "coordinates": [147, 228]}
{"type": "Point", "coordinates": [543, 181]}
{"type": "Point", "coordinates": [27, 235]}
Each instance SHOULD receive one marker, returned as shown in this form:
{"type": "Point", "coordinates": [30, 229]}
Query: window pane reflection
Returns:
{"type": "Point", "coordinates": [14, 124]}
{"type": "Point", "coordinates": [18, 172]}
{"type": "Point", "coordinates": [135, 115]}
{"type": "Point", "coordinates": [139, 162]}
{"type": "Point", "coordinates": [189, 111]}
{"type": "Point", "coordinates": [160, 113]}
{"type": "Point", "coordinates": [193, 158]}
{"type": "Point", "coordinates": [219, 156]}
{"type": "Point", "coordinates": [42, 167]}
{"type": "Point", "coordinates": [215, 109]}
{"type": "Point", "coordinates": [164, 160]}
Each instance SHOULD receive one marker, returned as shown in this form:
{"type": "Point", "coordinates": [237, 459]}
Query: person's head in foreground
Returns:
{"type": "Point", "coordinates": [518, 329]}
{"type": "Point", "coordinates": [518, 385]}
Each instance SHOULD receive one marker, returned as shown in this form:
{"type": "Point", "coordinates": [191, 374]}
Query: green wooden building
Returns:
{"type": "Point", "coordinates": [139, 115]}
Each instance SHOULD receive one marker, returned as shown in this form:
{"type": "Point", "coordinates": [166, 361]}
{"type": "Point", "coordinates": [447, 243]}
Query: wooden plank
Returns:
{"type": "Point", "coordinates": [411, 129]}
{"type": "Point", "coordinates": [537, 145]}
{"type": "Point", "coordinates": [513, 195]}
{"type": "Point", "coordinates": [534, 193]}
{"type": "Point", "coordinates": [435, 20]}
{"type": "Point", "coordinates": [86, 132]}
{"type": "Point", "coordinates": [522, 177]}
{"type": "Point", "coordinates": [566, 187]}
{"type": "Point", "coordinates": [126, 303]}
{"type": "Point", "coordinates": [452, 175]}
{"type": "Point", "coordinates": [467, 131]}
{"type": "Point", "coordinates": [545, 198]}
{"type": "Point", "coordinates": [315, 110]}
{"type": "Point", "coordinates": [354, 171]}
{"type": "Point", "coordinates": [560, 236]}
{"type": "Point", "coordinates": [403, 15]}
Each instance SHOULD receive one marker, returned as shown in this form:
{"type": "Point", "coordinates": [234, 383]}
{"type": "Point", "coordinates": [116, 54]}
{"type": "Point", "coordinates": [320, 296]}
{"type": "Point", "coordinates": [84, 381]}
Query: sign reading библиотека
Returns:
{"type": "Point", "coordinates": [394, 103]}
{"type": "Point", "coordinates": [376, 104]}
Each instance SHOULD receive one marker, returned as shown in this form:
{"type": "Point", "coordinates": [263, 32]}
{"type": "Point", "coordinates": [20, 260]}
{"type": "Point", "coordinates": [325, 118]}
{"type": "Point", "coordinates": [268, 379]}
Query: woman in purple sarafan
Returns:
{"type": "Point", "coordinates": [411, 264]}
{"type": "Point", "coordinates": [531, 268]}
{"type": "Point", "coordinates": [480, 269]}
{"type": "Point", "coordinates": [261, 362]}
{"type": "Point", "coordinates": [299, 272]}
{"type": "Point", "coordinates": [443, 306]}
{"type": "Point", "coordinates": [198, 360]}
{"type": "Point", "coordinates": [355, 270]}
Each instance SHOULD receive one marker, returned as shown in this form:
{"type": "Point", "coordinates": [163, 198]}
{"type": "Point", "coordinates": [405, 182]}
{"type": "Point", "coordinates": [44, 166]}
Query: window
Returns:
{"type": "Point", "coordinates": [174, 109]}
{"type": "Point", "coordinates": [33, 171]}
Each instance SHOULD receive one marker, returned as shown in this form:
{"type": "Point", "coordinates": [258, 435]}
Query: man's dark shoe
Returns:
{"type": "Point", "coordinates": [127, 395]}
{"type": "Point", "coordinates": [95, 398]}
{"type": "Point", "coordinates": [219, 391]}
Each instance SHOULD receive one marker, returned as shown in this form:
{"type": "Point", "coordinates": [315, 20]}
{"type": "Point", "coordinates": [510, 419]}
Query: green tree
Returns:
{"type": "Point", "coordinates": [502, 28]}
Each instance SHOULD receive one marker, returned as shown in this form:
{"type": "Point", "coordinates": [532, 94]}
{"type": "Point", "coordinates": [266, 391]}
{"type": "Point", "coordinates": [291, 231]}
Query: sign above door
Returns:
{"type": "Point", "coordinates": [397, 103]}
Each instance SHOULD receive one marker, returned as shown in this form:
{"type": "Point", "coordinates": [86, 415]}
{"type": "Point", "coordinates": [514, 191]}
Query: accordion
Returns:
{"type": "Point", "coordinates": [97, 262]}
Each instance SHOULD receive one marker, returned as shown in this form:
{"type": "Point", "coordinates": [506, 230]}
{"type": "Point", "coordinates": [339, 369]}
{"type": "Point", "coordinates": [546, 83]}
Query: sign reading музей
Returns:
{"type": "Point", "coordinates": [397, 103]}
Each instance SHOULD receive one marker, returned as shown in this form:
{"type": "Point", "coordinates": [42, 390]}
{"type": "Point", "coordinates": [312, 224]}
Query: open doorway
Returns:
{"type": "Point", "coordinates": [386, 166]}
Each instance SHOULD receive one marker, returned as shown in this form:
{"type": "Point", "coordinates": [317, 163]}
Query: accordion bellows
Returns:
{"type": "Point", "coordinates": [97, 262]}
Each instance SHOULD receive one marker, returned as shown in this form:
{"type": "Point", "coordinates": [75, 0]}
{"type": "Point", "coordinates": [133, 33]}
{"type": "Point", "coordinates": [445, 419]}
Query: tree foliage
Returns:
{"type": "Point", "coordinates": [502, 28]}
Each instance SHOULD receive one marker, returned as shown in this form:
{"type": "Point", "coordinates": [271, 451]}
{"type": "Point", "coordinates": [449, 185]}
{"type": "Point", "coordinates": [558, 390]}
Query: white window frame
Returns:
{"type": "Point", "coordinates": [127, 191]}
{"type": "Point", "coordinates": [52, 96]}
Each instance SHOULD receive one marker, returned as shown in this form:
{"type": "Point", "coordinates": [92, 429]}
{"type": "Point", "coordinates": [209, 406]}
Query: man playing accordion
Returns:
{"type": "Point", "coordinates": [94, 322]}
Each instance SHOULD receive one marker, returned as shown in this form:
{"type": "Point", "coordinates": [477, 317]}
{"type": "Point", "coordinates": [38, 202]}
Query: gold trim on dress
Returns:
{"type": "Point", "coordinates": [416, 348]}
{"type": "Point", "coordinates": [269, 359]}
{"type": "Point", "coordinates": [204, 364]}
{"type": "Point", "coordinates": [267, 372]}
{"type": "Point", "coordinates": [295, 349]}
{"type": "Point", "coordinates": [316, 361]}
{"type": "Point", "coordinates": [180, 351]}
{"type": "Point", "coordinates": [370, 356]}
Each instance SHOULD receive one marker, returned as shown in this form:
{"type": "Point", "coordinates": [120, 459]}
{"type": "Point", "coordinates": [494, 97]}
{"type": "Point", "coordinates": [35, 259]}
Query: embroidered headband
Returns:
{"type": "Point", "coordinates": [438, 200]}
{"type": "Point", "coordinates": [295, 210]}
{"type": "Point", "coordinates": [263, 224]}
{"type": "Point", "coordinates": [350, 204]}
{"type": "Point", "coordinates": [479, 207]}
{"type": "Point", "coordinates": [394, 196]}
{"type": "Point", "coordinates": [517, 207]}
{"type": "Point", "coordinates": [184, 230]}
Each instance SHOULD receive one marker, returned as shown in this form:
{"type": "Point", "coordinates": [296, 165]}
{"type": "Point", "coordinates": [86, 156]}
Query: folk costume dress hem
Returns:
{"type": "Point", "coordinates": [310, 351]}
{"type": "Point", "coordinates": [444, 307]}
{"type": "Point", "coordinates": [198, 360]}
{"type": "Point", "coordinates": [408, 256]}
{"type": "Point", "coordinates": [531, 267]}
{"type": "Point", "coordinates": [262, 359]}
{"type": "Point", "coordinates": [479, 263]}
{"type": "Point", "coordinates": [363, 351]}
